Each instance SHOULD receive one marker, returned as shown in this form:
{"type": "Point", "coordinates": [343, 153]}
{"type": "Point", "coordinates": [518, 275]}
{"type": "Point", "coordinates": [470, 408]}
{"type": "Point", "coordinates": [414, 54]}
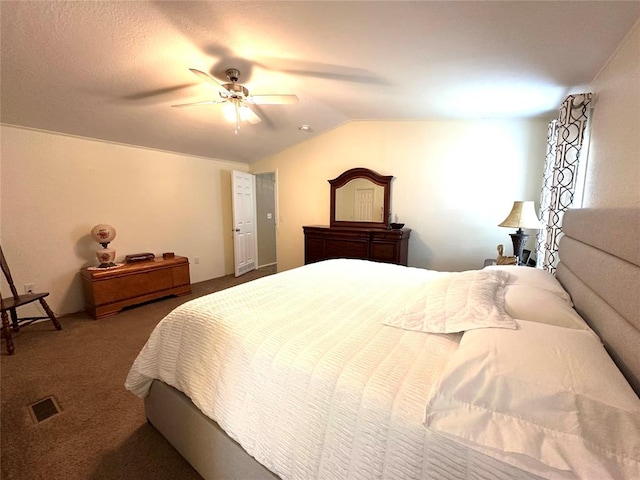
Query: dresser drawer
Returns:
{"type": "Point", "coordinates": [344, 248]}
{"type": "Point", "coordinates": [384, 252]}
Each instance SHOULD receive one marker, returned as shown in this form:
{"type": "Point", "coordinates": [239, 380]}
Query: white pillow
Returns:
{"type": "Point", "coordinates": [533, 277]}
{"type": "Point", "coordinates": [455, 302]}
{"type": "Point", "coordinates": [539, 305]}
{"type": "Point", "coordinates": [540, 392]}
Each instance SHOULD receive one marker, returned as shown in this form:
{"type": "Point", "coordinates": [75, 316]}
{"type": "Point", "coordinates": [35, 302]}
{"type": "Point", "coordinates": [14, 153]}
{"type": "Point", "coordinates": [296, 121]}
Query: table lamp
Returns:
{"type": "Point", "coordinates": [104, 234]}
{"type": "Point", "coordinates": [522, 215]}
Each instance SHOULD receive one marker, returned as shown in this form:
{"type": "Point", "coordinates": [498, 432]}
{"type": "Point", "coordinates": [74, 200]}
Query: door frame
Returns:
{"type": "Point", "coordinates": [276, 213]}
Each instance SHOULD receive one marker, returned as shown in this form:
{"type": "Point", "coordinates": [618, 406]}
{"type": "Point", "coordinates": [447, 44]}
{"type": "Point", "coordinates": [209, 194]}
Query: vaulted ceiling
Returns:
{"type": "Point", "coordinates": [112, 70]}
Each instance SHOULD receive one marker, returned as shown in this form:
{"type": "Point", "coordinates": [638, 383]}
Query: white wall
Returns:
{"type": "Point", "coordinates": [454, 182]}
{"type": "Point", "coordinates": [613, 171]}
{"type": "Point", "coordinates": [55, 188]}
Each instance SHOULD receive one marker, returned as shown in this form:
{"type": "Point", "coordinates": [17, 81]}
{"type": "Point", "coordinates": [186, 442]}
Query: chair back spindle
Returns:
{"type": "Point", "coordinates": [7, 274]}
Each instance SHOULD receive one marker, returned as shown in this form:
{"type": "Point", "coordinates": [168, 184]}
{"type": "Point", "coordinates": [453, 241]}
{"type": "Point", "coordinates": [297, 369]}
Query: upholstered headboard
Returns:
{"type": "Point", "coordinates": [600, 268]}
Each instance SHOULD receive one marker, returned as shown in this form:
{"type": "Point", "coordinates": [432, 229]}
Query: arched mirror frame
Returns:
{"type": "Point", "coordinates": [374, 177]}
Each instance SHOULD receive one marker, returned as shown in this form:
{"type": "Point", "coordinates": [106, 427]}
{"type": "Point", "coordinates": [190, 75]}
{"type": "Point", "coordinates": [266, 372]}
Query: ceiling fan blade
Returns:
{"type": "Point", "coordinates": [208, 102]}
{"type": "Point", "coordinates": [207, 78]}
{"type": "Point", "coordinates": [159, 91]}
{"type": "Point", "coordinates": [323, 70]}
{"type": "Point", "coordinates": [252, 117]}
{"type": "Point", "coordinates": [273, 99]}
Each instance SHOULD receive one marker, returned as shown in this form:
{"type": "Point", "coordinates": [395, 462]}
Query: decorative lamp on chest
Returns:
{"type": "Point", "coordinates": [522, 215]}
{"type": "Point", "coordinates": [104, 234]}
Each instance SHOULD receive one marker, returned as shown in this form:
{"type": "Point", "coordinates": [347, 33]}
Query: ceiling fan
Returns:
{"type": "Point", "coordinates": [237, 99]}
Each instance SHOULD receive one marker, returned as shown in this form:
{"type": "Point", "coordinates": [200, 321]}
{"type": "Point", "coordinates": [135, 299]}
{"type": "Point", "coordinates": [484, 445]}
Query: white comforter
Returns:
{"type": "Point", "coordinates": [313, 385]}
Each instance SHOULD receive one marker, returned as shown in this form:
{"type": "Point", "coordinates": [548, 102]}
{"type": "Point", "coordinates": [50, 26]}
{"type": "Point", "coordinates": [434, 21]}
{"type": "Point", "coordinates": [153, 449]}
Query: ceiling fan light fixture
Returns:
{"type": "Point", "coordinates": [244, 113]}
{"type": "Point", "coordinates": [229, 111]}
{"type": "Point", "coordinates": [233, 109]}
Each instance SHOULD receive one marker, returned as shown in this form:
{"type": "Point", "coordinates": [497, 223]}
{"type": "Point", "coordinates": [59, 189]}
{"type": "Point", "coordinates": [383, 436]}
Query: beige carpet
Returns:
{"type": "Point", "coordinates": [101, 432]}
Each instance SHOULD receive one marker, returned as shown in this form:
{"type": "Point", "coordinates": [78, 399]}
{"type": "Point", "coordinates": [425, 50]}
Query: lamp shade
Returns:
{"type": "Point", "coordinates": [103, 233]}
{"type": "Point", "coordinates": [522, 215]}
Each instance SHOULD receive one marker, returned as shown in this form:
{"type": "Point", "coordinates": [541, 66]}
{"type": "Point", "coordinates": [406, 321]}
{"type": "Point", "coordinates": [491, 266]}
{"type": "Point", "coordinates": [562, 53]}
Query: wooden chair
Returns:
{"type": "Point", "coordinates": [11, 304]}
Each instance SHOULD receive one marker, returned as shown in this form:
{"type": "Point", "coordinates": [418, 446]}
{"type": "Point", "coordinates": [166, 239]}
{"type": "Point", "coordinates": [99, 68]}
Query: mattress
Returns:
{"type": "Point", "coordinates": [306, 383]}
{"type": "Point", "coordinates": [301, 371]}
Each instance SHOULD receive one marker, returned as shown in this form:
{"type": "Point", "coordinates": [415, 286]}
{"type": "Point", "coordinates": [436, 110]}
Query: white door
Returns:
{"type": "Point", "coordinates": [364, 204]}
{"type": "Point", "coordinates": [244, 225]}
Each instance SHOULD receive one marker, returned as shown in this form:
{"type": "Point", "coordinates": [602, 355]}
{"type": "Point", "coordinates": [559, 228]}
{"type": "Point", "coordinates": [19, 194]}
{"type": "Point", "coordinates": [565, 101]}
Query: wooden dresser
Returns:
{"type": "Point", "coordinates": [359, 222]}
{"type": "Point", "coordinates": [107, 291]}
{"type": "Point", "coordinates": [322, 242]}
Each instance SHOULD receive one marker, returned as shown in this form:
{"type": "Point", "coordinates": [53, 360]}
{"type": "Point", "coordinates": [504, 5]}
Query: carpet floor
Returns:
{"type": "Point", "coordinates": [101, 431]}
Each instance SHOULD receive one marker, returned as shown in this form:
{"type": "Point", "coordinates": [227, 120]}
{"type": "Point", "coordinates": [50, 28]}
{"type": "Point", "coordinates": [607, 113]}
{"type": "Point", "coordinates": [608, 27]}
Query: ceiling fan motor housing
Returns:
{"type": "Point", "coordinates": [234, 90]}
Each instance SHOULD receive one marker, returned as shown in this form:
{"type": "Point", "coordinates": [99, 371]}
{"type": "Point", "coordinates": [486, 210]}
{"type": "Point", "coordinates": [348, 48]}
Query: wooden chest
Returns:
{"type": "Point", "coordinates": [107, 291]}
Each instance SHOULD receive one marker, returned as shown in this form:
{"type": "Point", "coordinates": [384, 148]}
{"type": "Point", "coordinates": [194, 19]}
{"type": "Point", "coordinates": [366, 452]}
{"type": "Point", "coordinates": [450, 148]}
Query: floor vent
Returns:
{"type": "Point", "coordinates": [44, 409]}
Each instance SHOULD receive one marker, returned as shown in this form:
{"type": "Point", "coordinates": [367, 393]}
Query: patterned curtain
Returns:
{"type": "Point", "coordinates": [564, 144]}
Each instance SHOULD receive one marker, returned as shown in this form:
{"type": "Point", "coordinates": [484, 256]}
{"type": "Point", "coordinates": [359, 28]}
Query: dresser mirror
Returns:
{"type": "Point", "coordinates": [360, 198]}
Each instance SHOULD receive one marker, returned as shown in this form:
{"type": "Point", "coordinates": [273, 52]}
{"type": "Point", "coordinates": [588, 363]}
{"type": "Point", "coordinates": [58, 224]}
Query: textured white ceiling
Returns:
{"type": "Point", "coordinates": [111, 70]}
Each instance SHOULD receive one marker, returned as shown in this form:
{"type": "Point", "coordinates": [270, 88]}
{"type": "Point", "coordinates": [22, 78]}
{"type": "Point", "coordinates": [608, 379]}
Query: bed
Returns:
{"type": "Point", "coordinates": [345, 369]}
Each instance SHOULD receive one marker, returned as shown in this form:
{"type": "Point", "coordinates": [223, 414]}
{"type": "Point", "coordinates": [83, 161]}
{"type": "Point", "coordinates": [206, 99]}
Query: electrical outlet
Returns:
{"type": "Point", "coordinates": [29, 288]}
{"type": "Point", "coordinates": [196, 260]}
